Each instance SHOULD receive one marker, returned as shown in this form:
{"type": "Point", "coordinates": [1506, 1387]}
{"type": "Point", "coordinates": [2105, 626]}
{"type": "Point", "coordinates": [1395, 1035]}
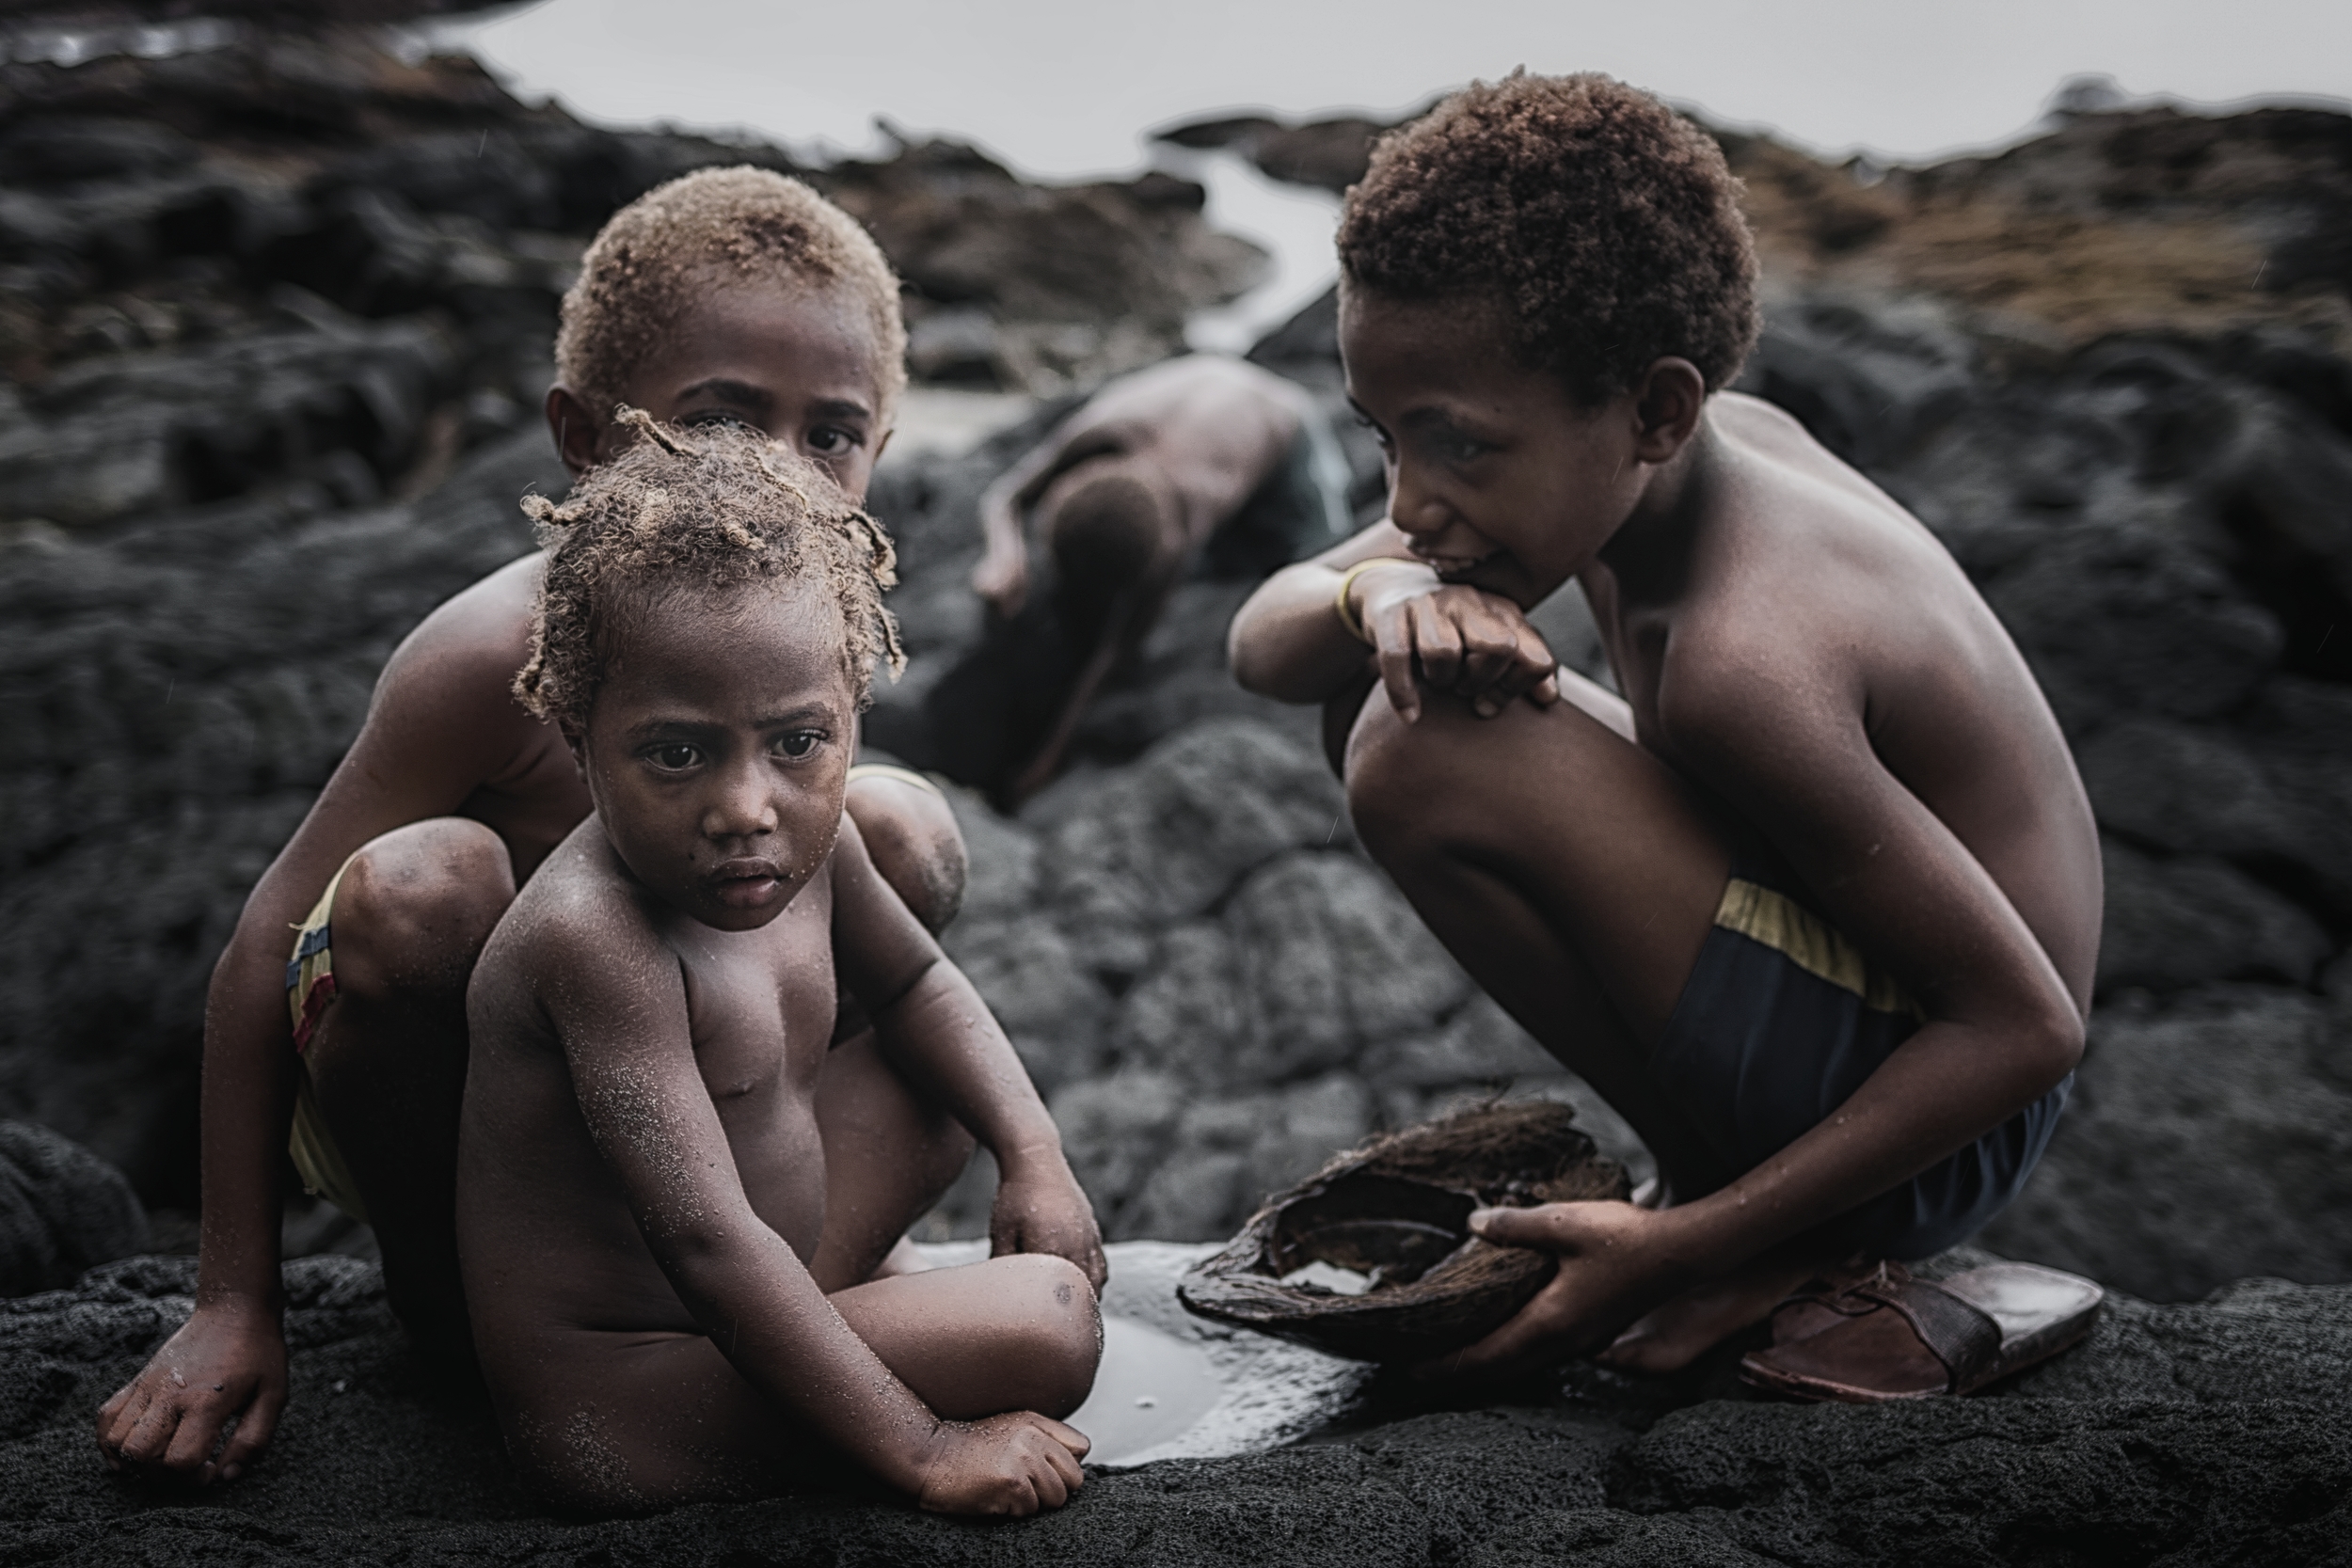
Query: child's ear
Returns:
{"type": "Point", "coordinates": [577, 431]}
{"type": "Point", "coordinates": [1667, 402]}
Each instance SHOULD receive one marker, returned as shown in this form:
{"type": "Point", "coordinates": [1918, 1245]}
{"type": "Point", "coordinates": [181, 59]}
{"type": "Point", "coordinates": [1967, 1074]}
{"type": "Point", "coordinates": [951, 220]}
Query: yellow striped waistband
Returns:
{"type": "Point", "coordinates": [1813, 944]}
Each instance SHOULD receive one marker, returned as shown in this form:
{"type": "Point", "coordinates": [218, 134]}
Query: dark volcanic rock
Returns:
{"type": "Point", "coordinates": [2175, 922]}
{"type": "Point", "coordinates": [1331, 154]}
{"type": "Point", "coordinates": [62, 1209]}
{"type": "Point", "coordinates": [2206, 1141]}
{"type": "Point", "coordinates": [173, 695]}
{"type": "Point", "coordinates": [2192, 1433]}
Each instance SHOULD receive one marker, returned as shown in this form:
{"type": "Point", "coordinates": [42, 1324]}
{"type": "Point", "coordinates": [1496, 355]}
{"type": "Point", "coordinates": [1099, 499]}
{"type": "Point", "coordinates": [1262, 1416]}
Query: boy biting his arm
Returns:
{"type": "Point", "coordinates": [1816, 905]}
{"type": "Point", "coordinates": [640, 1179]}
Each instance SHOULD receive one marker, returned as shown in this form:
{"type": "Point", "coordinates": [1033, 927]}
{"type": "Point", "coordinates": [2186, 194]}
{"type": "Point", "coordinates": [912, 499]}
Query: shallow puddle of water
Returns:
{"type": "Point", "coordinates": [1152, 1387]}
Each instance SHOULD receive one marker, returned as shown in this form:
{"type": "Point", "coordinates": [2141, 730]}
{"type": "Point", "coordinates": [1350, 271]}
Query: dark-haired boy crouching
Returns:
{"type": "Point", "coordinates": [1815, 905]}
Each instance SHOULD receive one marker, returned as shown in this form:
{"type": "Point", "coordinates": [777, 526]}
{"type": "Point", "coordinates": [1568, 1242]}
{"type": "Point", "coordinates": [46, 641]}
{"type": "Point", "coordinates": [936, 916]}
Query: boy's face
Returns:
{"type": "Point", "coordinates": [1499, 479]}
{"type": "Point", "coordinates": [800, 364]}
{"type": "Point", "coordinates": [718, 749]}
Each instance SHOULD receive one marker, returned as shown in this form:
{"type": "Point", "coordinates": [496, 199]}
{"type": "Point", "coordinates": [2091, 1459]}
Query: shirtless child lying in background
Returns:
{"type": "Point", "coordinates": [642, 1184]}
{"type": "Point", "coordinates": [1128, 490]}
{"type": "Point", "coordinates": [732, 294]}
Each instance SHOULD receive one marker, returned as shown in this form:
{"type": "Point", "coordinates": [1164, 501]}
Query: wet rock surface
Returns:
{"type": "Point", "coordinates": [275, 314]}
{"type": "Point", "coordinates": [2205, 1433]}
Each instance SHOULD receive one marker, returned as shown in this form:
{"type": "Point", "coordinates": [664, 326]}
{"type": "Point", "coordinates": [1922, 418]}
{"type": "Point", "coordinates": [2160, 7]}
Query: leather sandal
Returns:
{"type": "Point", "coordinates": [1828, 1299]}
{"type": "Point", "coordinates": [1916, 1338]}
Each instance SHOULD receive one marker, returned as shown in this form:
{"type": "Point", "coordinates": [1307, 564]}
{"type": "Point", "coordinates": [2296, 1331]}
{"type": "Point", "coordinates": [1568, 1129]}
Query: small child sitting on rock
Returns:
{"type": "Point", "coordinates": [1815, 905]}
{"type": "Point", "coordinates": [336, 1026]}
{"type": "Point", "coordinates": [642, 1184]}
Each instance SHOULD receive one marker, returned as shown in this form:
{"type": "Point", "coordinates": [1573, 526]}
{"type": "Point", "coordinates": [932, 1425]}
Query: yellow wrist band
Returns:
{"type": "Point", "coordinates": [1347, 580]}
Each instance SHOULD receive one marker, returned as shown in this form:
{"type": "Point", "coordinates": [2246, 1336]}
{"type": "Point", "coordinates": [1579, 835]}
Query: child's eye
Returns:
{"type": "Point", "coordinates": [675, 757]}
{"type": "Point", "coordinates": [707, 419]}
{"type": "Point", "coordinates": [1452, 446]}
{"type": "Point", "coordinates": [828, 440]}
{"type": "Point", "coordinates": [800, 743]}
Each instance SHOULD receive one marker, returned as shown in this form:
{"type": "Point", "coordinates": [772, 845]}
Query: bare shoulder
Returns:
{"type": "Point", "coordinates": [482, 630]}
{"type": "Point", "coordinates": [576, 931]}
{"type": "Point", "coordinates": [448, 688]}
{"type": "Point", "coordinates": [1811, 587]}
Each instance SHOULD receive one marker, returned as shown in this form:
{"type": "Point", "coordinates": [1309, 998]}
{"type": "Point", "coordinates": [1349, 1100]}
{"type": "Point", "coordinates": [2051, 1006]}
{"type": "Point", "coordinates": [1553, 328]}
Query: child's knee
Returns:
{"type": "Point", "coordinates": [1392, 769]}
{"type": "Point", "coordinates": [1058, 1332]}
{"type": "Point", "coordinates": [418, 903]}
{"type": "Point", "coordinates": [912, 834]}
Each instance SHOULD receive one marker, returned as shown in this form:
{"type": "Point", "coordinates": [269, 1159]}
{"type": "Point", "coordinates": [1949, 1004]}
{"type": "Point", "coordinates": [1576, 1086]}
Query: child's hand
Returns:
{"type": "Point", "coordinates": [1613, 1268]}
{"type": "Point", "coordinates": [1042, 1207]}
{"type": "Point", "coordinates": [1012, 1465]}
{"type": "Point", "coordinates": [222, 1364]}
{"type": "Point", "coordinates": [1464, 641]}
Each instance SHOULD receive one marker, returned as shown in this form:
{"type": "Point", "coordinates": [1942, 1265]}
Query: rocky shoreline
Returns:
{"type": "Point", "coordinates": [274, 316]}
{"type": "Point", "coordinates": [2213, 1433]}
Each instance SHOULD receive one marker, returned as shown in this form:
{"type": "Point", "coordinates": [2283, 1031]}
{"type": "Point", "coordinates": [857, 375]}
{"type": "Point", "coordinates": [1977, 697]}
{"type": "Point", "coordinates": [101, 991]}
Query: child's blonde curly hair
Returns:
{"type": "Point", "coordinates": [695, 516]}
{"type": "Point", "coordinates": [660, 254]}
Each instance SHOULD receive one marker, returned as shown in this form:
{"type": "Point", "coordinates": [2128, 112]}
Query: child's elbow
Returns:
{"type": "Point", "coordinates": [2053, 1047]}
{"type": "Point", "coordinates": [1245, 657]}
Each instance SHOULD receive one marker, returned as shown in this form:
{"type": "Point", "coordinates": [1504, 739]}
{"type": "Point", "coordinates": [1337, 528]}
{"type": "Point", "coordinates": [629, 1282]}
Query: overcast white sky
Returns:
{"type": "Point", "coordinates": [1067, 87]}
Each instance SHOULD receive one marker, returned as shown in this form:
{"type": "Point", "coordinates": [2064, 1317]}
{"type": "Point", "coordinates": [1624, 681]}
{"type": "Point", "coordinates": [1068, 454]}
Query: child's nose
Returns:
{"type": "Point", "coordinates": [1415, 509]}
{"type": "Point", "coordinates": [742, 806]}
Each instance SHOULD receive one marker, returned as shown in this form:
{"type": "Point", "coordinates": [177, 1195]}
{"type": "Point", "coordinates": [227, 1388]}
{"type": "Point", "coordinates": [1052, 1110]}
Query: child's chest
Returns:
{"type": "Point", "coordinates": [761, 1007]}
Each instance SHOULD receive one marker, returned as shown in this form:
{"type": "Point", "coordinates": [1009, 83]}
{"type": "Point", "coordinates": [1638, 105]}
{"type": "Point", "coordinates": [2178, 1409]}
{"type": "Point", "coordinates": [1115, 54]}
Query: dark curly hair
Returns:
{"type": "Point", "coordinates": [697, 516]}
{"type": "Point", "coordinates": [1605, 225]}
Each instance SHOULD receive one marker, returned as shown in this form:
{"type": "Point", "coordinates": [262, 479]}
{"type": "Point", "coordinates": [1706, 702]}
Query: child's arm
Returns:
{"type": "Point", "coordinates": [1779, 729]}
{"type": "Point", "coordinates": [929, 1021]}
{"type": "Point", "coordinates": [1288, 642]}
{"type": "Point", "coordinates": [617, 1001]}
{"type": "Point", "coordinates": [423, 751]}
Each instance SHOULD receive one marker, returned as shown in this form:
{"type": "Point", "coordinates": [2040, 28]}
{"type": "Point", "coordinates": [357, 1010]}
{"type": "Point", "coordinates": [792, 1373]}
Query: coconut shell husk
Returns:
{"type": "Point", "coordinates": [1398, 1209]}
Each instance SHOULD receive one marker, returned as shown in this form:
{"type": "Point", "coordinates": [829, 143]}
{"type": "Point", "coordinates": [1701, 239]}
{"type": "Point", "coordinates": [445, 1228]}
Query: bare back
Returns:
{"type": "Point", "coordinates": [1216, 427]}
{"type": "Point", "coordinates": [1798, 560]}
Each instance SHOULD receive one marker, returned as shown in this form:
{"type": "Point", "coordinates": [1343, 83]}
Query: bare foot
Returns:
{"type": "Point", "coordinates": [1676, 1334]}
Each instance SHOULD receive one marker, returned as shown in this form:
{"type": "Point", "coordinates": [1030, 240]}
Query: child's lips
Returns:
{"type": "Point", "coordinates": [1450, 565]}
{"type": "Point", "coordinates": [746, 884]}
{"type": "Point", "coordinates": [1453, 568]}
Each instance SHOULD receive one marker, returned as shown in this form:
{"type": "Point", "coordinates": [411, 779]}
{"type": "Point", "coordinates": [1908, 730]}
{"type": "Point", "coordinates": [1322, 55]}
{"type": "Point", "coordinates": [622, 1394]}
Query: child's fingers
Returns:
{"type": "Point", "coordinates": [253, 1432]}
{"type": "Point", "coordinates": [116, 1418]}
{"type": "Point", "coordinates": [1066, 1471]}
{"type": "Point", "coordinates": [1396, 677]}
{"type": "Point", "coordinates": [1521, 1339]}
{"type": "Point", "coordinates": [1546, 691]}
{"type": "Point", "coordinates": [151, 1433]}
{"type": "Point", "coordinates": [1050, 1485]}
{"type": "Point", "coordinates": [1542, 1227]}
{"type": "Point", "coordinates": [198, 1435]}
{"type": "Point", "coordinates": [1437, 642]}
{"type": "Point", "coordinates": [1069, 1437]}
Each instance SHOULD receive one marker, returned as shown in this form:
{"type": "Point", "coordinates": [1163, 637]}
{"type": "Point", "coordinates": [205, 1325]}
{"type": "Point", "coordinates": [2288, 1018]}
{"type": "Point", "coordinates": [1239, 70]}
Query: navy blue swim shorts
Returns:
{"type": "Point", "coordinates": [1782, 1021]}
